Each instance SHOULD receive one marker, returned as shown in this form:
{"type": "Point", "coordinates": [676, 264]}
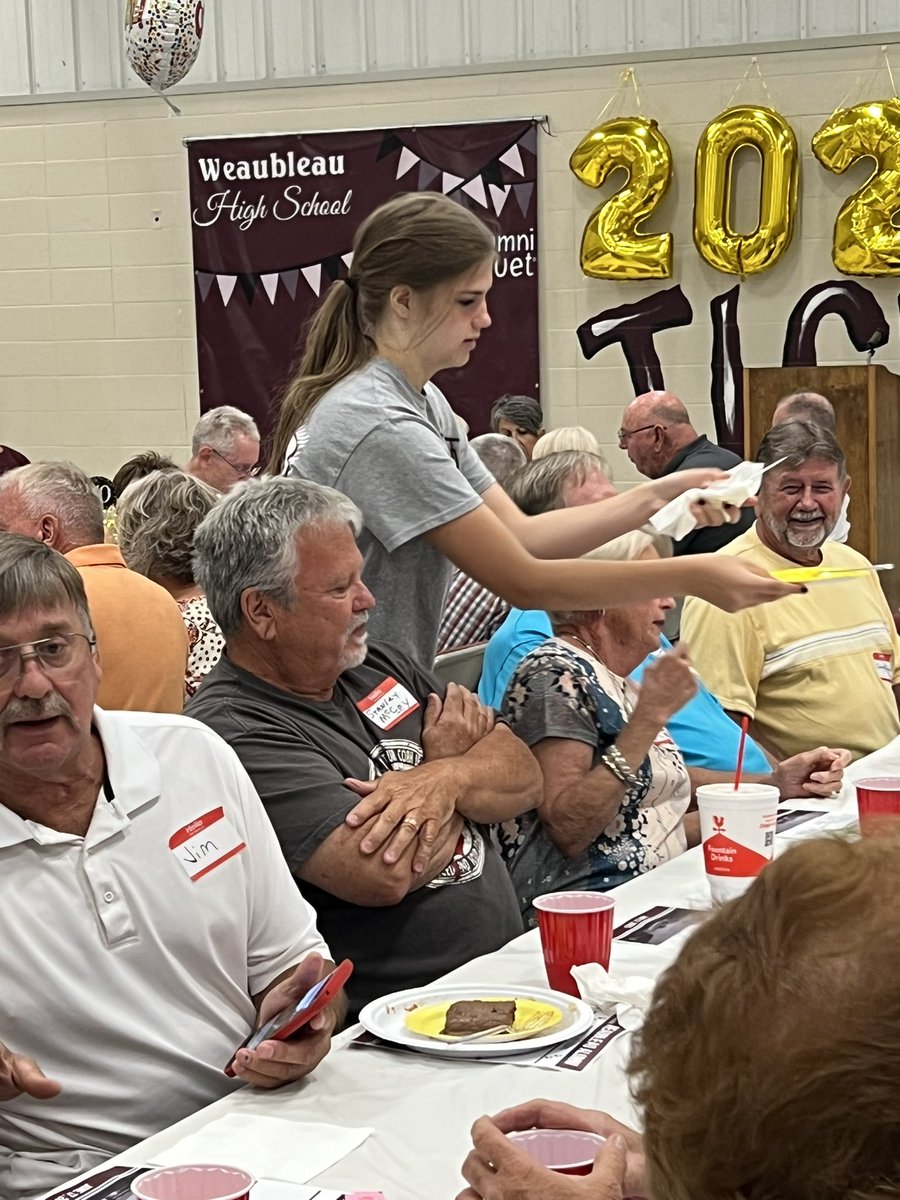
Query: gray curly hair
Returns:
{"type": "Point", "coordinates": [157, 517]}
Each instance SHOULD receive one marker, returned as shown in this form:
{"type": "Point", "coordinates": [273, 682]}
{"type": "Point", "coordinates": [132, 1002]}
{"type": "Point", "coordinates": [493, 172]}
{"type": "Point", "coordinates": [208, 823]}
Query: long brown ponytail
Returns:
{"type": "Point", "coordinates": [421, 239]}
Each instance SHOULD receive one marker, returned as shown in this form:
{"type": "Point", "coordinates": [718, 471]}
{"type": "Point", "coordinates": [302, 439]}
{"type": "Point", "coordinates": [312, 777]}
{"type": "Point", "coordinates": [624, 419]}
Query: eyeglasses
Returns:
{"type": "Point", "coordinates": [53, 653]}
{"type": "Point", "coordinates": [239, 469]}
{"type": "Point", "coordinates": [624, 434]}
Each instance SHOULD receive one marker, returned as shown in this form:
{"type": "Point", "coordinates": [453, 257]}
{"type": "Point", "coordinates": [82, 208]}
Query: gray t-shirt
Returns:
{"type": "Point", "coordinates": [400, 455]}
{"type": "Point", "coordinates": [298, 753]}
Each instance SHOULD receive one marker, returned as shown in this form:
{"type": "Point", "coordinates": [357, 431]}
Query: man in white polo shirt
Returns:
{"type": "Point", "coordinates": [149, 922]}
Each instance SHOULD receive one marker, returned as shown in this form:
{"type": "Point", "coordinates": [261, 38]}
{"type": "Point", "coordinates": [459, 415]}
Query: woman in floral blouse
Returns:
{"type": "Point", "coordinates": [616, 788]}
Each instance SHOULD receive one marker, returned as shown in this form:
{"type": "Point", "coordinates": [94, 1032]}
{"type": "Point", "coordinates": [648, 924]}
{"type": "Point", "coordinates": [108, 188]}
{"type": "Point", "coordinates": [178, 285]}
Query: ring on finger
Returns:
{"type": "Point", "coordinates": [410, 824]}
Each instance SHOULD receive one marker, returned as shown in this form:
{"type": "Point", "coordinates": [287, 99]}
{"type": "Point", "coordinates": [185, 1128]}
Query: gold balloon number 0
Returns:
{"type": "Point", "coordinates": [770, 134]}
{"type": "Point", "coordinates": [612, 247]}
{"type": "Point", "coordinates": [866, 240]}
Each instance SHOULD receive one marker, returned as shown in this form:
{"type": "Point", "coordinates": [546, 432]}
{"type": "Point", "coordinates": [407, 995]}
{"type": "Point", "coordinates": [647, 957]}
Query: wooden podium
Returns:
{"type": "Point", "coordinates": [867, 408]}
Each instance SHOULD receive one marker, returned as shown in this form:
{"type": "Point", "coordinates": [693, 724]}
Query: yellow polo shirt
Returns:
{"type": "Point", "coordinates": [811, 670]}
{"type": "Point", "coordinates": [142, 641]}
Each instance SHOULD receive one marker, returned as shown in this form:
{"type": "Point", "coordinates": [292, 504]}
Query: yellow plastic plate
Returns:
{"type": "Point", "coordinates": [533, 1017]}
{"type": "Point", "coordinates": [819, 574]}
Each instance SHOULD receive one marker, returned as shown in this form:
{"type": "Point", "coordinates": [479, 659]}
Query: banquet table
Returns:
{"type": "Point", "coordinates": [421, 1107]}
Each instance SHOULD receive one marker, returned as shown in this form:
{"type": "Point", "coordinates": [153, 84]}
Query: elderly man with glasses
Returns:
{"type": "Point", "coordinates": [224, 448]}
{"type": "Point", "coordinates": [658, 437]}
{"type": "Point", "coordinates": [149, 921]}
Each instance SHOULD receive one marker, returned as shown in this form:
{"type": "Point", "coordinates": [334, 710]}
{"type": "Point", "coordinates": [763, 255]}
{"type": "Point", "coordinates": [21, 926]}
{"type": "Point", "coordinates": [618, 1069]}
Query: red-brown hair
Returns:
{"type": "Point", "coordinates": [769, 1063]}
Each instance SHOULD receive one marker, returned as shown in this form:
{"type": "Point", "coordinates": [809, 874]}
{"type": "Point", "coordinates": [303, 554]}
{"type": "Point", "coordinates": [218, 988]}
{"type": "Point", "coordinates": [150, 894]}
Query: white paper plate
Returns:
{"type": "Point", "coordinates": [386, 1019]}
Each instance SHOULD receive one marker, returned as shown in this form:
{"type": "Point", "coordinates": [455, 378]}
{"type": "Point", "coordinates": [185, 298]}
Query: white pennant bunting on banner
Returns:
{"type": "Point", "coordinates": [347, 259]}
{"type": "Point", "coordinates": [513, 159]}
{"type": "Point", "coordinates": [226, 286]}
{"type": "Point", "coordinates": [475, 189]}
{"type": "Point", "coordinates": [499, 196]}
{"type": "Point", "coordinates": [450, 183]}
{"type": "Point", "coordinates": [270, 283]}
{"type": "Point", "coordinates": [313, 276]}
{"type": "Point", "coordinates": [407, 161]}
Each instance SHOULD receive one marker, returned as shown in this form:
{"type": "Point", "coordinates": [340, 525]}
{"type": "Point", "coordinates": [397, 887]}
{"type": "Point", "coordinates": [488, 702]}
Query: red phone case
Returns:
{"type": "Point", "coordinates": [295, 1016]}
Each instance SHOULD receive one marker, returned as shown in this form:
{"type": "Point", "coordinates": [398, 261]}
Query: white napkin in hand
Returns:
{"type": "Point", "coordinates": [676, 518]}
{"type": "Point", "coordinates": [267, 1147]}
{"type": "Point", "coordinates": [626, 999]}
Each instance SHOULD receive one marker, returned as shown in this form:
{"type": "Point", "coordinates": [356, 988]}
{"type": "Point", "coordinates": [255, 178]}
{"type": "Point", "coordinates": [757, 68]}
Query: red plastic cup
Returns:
{"type": "Point", "coordinates": [879, 800]}
{"type": "Point", "coordinates": [576, 928]}
{"type": "Point", "coordinates": [194, 1181]}
{"type": "Point", "coordinates": [568, 1151]}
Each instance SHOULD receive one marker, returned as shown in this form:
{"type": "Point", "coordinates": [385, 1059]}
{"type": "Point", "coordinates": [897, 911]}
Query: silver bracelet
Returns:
{"type": "Point", "coordinates": [614, 760]}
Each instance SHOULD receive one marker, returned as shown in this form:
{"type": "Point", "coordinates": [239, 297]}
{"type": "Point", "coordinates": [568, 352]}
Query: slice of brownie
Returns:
{"type": "Point", "coordinates": [474, 1016]}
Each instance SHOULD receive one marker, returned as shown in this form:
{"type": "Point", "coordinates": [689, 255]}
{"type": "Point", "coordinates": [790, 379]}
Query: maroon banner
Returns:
{"type": "Point", "coordinates": [273, 218]}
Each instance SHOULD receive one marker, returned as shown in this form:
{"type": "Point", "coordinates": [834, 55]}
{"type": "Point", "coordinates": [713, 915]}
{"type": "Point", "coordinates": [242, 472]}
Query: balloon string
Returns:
{"type": "Point", "coordinates": [859, 85]}
{"type": "Point", "coordinates": [754, 65]}
{"type": "Point", "coordinates": [887, 63]}
{"type": "Point", "coordinates": [627, 76]}
{"type": "Point", "coordinates": [174, 108]}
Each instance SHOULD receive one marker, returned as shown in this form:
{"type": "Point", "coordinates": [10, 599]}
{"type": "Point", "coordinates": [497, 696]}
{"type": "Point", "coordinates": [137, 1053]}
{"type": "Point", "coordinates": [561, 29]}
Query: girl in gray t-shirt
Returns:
{"type": "Point", "coordinates": [362, 416]}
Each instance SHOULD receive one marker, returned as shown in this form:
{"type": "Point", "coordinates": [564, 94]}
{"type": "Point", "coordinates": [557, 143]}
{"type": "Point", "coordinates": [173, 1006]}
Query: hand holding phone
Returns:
{"type": "Point", "coordinates": [295, 1015]}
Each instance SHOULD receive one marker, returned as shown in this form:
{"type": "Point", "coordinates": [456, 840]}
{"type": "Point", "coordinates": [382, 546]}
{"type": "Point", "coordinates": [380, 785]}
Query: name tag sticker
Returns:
{"type": "Point", "coordinates": [884, 666]}
{"type": "Point", "coordinates": [387, 704]}
{"type": "Point", "coordinates": [206, 843]}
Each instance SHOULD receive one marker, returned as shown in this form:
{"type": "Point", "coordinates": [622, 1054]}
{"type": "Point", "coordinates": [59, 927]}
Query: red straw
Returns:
{"type": "Point", "coordinates": [745, 725]}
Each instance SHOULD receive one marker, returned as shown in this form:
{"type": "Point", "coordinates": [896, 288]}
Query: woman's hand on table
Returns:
{"type": "Point", "coordinates": [274, 1062]}
{"type": "Point", "coordinates": [498, 1169]}
{"type": "Point", "coordinates": [818, 772]}
{"type": "Point", "coordinates": [19, 1074]}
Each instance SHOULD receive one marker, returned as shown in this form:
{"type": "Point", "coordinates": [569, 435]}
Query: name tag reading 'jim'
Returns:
{"type": "Point", "coordinates": [206, 843]}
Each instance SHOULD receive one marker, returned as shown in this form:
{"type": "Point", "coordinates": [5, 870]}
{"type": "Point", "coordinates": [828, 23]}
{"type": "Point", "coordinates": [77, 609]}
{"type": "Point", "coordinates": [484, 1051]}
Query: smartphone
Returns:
{"type": "Point", "coordinates": [294, 1016]}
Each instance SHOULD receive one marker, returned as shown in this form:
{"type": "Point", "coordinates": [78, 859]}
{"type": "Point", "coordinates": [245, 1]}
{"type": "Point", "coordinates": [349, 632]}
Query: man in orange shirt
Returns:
{"type": "Point", "coordinates": [142, 641]}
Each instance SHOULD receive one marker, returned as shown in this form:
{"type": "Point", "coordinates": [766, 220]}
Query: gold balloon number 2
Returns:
{"type": "Point", "coordinates": [612, 247]}
{"type": "Point", "coordinates": [866, 239]}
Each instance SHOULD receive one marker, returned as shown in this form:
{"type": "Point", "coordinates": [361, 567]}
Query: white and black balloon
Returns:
{"type": "Point", "coordinates": [162, 39]}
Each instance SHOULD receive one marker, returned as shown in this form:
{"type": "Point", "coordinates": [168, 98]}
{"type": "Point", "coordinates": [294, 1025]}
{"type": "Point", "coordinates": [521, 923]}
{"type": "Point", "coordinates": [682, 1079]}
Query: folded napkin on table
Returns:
{"type": "Point", "coordinates": [625, 999]}
{"type": "Point", "coordinates": [676, 518]}
{"type": "Point", "coordinates": [268, 1147]}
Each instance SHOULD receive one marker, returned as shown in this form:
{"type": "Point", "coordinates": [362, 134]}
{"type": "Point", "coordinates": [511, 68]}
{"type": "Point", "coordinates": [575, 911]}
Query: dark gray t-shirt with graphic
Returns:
{"type": "Point", "coordinates": [298, 753]}
{"type": "Point", "coordinates": [400, 455]}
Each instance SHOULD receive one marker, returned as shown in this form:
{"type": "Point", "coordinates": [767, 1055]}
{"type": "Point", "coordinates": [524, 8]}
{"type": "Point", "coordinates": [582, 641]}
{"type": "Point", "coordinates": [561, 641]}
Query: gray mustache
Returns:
{"type": "Point", "coordinates": [34, 710]}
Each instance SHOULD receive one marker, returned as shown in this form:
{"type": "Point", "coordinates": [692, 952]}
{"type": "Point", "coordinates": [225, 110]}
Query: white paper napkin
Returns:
{"type": "Point", "coordinates": [676, 518]}
{"type": "Point", "coordinates": [268, 1147]}
{"type": "Point", "coordinates": [626, 999]}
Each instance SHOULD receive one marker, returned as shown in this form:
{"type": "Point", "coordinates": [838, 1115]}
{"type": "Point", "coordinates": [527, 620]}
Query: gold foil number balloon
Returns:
{"type": "Point", "coordinates": [612, 246]}
{"type": "Point", "coordinates": [162, 39]}
{"type": "Point", "coordinates": [866, 240]}
{"type": "Point", "coordinates": [745, 125]}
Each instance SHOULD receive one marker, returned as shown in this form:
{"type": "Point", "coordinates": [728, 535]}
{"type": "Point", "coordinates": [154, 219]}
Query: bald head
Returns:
{"type": "Point", "coordinates": [655, 426]}
{"type": "Point", "coordinates": [811, 407]}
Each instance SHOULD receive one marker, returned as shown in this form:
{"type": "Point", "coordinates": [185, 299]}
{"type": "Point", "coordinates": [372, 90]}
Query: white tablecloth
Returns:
{"type": "Point", "coordinates": [421, 1108]}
